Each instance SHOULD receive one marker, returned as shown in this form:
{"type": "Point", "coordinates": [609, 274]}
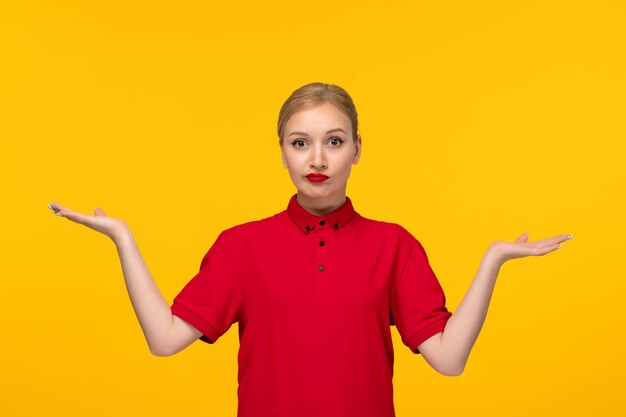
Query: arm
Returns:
{"type": "Point", "coordinates": [165, 333]}
{"type": "Point", "coordinates": [448, 351]}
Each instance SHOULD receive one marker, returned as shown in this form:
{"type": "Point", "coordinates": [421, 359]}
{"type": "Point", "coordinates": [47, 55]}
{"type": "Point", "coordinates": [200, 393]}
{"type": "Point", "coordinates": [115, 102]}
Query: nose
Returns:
{"type": "Point", "coordinates": [318, 157]}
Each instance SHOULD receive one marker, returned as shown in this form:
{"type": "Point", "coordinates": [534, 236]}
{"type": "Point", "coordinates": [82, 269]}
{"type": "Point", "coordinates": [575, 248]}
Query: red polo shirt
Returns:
{"type": "Point", "coordinates": [315, 298]}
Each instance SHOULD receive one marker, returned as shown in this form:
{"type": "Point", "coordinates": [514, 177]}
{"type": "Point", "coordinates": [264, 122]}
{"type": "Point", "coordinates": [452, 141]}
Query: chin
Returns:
{"type": "Point", "coordinates": [315, 192]}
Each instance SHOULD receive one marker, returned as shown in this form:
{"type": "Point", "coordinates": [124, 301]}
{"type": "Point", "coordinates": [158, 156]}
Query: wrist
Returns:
{"type": "Point", "coordinates": [493, 256]}
{"type": "Point", "coordinates": [121, 234]}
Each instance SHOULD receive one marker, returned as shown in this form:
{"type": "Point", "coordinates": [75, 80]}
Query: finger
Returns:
{"type": "Point", "coordinates": [57, 208]}
{"type": "Point", "coordinates": [70, 214]}
{"type": "Point", "coordinates": [543, 243]}
{"type": "Point", "coordinates": [548, 249]}
{"type": "Point", "coordinates": [523, 238]}
{"type": "Point", "coordinates": [554, 247]}
{"type": "Point", "coordinates": [555, 240]}
{"type": "Point", "coordinates": [52, 207]}
{"type": "Point", "coordinates": [99, 212]}
{"type": "Point", "coordinates": [61, 210]}
{"type": "Point", "coordinates": [77, 217]}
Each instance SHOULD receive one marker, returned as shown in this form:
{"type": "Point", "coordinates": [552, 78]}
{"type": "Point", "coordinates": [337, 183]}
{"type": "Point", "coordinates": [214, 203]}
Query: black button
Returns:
{"type": "Point", "coordinates": [336, 225]}
{"type": "Point", "coordinates": [322, 223]}
{"type": "Point", "coordinates": [321, 243]}
{"type": "Point", "coordinates": [307, 228]}
{"type": "Point", "coordinates": [321, 267]}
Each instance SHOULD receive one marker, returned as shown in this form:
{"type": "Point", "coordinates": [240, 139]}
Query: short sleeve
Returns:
{"type": "Point", "coordinates": [418, 303]}
{"type": "Point", "coordinates": [212, 300]}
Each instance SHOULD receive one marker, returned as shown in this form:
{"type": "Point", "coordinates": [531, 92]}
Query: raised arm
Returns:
{"type": "Point", "coordinates": [448, 351]}
{"type": "Point", "coordinates": [165, 333]}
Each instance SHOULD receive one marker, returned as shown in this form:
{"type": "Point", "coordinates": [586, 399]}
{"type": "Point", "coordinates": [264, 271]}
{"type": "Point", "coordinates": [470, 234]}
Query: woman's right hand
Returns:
{"type": "Point", "coordinates": [100, 222]}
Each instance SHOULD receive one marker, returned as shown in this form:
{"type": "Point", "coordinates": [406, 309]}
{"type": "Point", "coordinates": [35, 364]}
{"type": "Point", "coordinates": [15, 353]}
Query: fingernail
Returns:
{"type": "Point", "coordinates": [561, 245]}
{"type": "Point", "coordinates": [569, 237]}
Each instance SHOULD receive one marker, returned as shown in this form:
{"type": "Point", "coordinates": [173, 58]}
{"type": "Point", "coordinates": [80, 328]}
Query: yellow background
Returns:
{"type": "Point", "coordinates": [480, 120]}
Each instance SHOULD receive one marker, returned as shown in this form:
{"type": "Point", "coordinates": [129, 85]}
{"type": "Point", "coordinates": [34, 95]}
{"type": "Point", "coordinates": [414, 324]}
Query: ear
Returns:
{"type": "Point", "coordinates": [357, 155]}
{"type": "Point", "coordinates": [282, 154]}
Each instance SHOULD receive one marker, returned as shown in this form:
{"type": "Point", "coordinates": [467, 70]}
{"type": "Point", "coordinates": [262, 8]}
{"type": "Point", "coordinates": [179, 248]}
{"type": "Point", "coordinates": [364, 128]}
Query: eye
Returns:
{"type": "Point", "coordinates": [337, 140]}
{"type": "Point", "coordinates": [296, 142]}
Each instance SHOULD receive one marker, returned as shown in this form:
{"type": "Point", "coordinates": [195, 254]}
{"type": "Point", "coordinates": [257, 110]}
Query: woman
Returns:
{"type": "Point", "coordinates": [316, 287]}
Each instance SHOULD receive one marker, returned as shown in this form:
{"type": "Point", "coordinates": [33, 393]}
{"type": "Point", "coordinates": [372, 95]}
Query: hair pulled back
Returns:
{"type": "Point", "coordinates": [314, 94]}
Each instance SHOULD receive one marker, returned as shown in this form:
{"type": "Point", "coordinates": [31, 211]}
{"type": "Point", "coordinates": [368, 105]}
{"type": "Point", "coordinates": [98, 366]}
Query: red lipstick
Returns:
{"type": "Point", "coordinates": [317, 177]}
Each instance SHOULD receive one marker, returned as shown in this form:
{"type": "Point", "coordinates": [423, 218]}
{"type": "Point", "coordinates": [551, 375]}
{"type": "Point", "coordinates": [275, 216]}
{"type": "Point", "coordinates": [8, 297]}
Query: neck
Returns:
{"type": "Point", "coordinates": [321, 206]}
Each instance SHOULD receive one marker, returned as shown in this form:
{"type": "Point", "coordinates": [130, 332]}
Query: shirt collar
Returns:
{"type": "Point", "coordinates": [308, 221]}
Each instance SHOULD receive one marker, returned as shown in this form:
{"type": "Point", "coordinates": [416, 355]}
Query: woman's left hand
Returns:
{"type": "Point", "coordinates": [504, 251]}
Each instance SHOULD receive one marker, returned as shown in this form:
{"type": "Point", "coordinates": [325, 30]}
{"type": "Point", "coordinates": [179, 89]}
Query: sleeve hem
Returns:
{"type": "Point", "coordinates": [209, 333]}
{"type": "Point", "coordinates": [427, 332]}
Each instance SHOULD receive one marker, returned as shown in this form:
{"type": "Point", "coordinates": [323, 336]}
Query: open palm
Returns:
{"type": "Point", "coordinates": [98, 221]}
{"type": "Point", "coordinates": [521, 247]}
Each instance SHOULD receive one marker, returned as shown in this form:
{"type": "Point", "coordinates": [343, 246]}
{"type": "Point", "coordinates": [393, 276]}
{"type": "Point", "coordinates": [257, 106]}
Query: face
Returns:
{"type": "Point", "coordinates": [318, 139]}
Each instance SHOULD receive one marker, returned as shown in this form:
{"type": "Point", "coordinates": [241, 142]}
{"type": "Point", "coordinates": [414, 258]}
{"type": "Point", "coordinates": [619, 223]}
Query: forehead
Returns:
{"type": "Point", "coordinates": [315, 117]}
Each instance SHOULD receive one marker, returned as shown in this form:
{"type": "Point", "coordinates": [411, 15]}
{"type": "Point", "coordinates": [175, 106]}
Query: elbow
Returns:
{"type": "Point", "coordinates": [452, 370]}
{"type": "Point", "coordinates": [160, 351]}
{"type": "Point", "coordinates": [451, 365]}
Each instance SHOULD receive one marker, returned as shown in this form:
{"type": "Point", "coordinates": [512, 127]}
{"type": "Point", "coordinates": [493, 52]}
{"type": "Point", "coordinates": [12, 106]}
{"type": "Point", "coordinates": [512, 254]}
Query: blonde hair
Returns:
{"type": "Point", "coordinates": [314, 94]}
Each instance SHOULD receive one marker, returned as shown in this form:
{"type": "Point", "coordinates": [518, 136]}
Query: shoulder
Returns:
{"type": "Point", "coordinates": [246, 230]}
{"type": "Point", "coordinates": [391, 229]}
{"type": "Point", "coordinates": [395, 236]}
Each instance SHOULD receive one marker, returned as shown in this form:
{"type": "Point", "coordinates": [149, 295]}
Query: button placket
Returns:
{"type": "Point", "coordinates": [322, 230]}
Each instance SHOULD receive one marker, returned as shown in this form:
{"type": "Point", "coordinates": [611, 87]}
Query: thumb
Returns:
{"type": "Point", "coordinates": [99, 212]}
{"type": "Point", "coordinates": [523, 238]}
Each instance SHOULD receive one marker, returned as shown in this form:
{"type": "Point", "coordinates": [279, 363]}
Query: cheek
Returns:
{"type": "Point", "coordinates": [295, 161]}
{"type": "Point", "coordinates": [293, 164]}
{"type": "Point", "coordinates": [346, 164]}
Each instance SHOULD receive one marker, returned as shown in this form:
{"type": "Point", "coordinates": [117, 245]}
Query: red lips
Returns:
{"type": "Point", "coordinates": [317, 177]}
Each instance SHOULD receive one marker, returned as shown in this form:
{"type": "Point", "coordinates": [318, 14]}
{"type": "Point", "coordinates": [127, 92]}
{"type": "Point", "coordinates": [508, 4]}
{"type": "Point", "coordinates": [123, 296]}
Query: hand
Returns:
{"type": "Point", "coordinates": [99, 222]}
{"type": "Point", "coordinates": [504, 251]}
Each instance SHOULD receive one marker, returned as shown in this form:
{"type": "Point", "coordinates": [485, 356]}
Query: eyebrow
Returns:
{"type": "Point", "coordinates": [338, 129]}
